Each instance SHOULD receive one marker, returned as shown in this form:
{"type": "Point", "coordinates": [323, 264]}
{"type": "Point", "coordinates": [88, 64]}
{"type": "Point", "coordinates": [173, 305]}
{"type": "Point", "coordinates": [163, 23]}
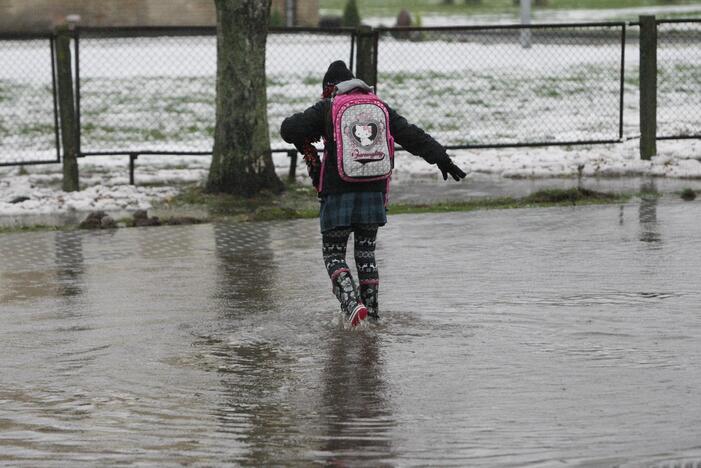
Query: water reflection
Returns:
{"type": "Point", "coordinates": [255, 379]}
{"type": "Point", "coordinates": [22, 277]}
{"type": "Point", "coordinates": [356, 411]}
{"type": "Point", "coordinates": [69, 263]}
{"type": "Point", "coordinates": [285, 396]}
{"type": "Point", "coordinates": [254, 372]}
{"type": "Point", "coordinates": [102, 368]}
{"type": "Point", "coordinates": [246, 268]}
{"type": "Point", "coordinates": [172, 241]}
{"type": "Point", "coordinates": [647, 214]}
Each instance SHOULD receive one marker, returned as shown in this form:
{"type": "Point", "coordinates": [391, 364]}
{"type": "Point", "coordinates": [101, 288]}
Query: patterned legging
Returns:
{"type": "Point", "coordinates": [343, 285]}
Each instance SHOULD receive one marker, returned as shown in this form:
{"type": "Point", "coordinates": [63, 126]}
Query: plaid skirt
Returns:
{"type": "Point", "coordinates": [340, 210]}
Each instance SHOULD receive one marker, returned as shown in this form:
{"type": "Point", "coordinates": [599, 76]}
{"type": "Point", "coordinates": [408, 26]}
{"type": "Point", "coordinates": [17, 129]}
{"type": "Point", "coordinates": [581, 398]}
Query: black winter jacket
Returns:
{"type": "Point", "coordinates": [315, 122]}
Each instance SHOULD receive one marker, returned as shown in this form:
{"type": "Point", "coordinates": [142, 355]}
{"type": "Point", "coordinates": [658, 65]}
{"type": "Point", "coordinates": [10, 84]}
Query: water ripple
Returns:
{"type": "Point", "coordinates": [527, 337]}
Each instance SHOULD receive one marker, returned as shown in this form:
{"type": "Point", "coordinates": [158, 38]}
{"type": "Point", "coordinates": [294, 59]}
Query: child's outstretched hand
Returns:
{"type": "Point", "coordinates": [447, 166]}
{"type": "Point", "coordinates": [313, 162]}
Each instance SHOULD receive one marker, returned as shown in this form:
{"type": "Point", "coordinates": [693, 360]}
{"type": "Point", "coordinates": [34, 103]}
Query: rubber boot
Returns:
{"type": "Point", "coordinates": [347, 294]}
{"type": "Point", "coordinates": [368, 296]}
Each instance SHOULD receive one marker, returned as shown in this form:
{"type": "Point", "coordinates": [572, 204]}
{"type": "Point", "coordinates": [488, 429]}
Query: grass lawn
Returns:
{"type": "Point", "coordinates": [392, 7]}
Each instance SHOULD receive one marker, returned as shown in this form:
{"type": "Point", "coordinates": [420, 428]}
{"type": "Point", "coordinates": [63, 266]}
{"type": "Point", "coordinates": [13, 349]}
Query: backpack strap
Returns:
{"type": "Point", "coordinates": [328, 127]}
{"type": "Point", "coordinates": [346, 87]}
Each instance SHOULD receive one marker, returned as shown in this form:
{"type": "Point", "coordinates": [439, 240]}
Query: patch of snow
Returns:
{"type": "Point", "coordinates": [546, 16]}
{"type": "Point", "coordinates": [678, 159]}
{"type": "Point", "coordinates": [48, 200]}
{"type": "Point", "coordinates": [158, 94]}
{"type": "Point", "coordinates": [106, 178]}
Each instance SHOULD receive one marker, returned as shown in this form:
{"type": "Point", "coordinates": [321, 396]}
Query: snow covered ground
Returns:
{"type": "Point", "coordinates": [161, 177]}
{"type": "Point", "coordinates": [158, 94]}
{"type": "Point", "coordinates": [551, 16]}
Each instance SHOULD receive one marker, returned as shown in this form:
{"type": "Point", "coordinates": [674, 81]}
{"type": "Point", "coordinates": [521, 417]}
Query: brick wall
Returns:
{"type": "Point", "coordinates": [41, 15]}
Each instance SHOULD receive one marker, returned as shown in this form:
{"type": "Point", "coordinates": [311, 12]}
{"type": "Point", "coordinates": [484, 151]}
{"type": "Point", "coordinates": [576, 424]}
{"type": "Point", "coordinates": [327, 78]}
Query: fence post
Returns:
{"type": "Point", "coordinates": [66, 105]}
{"type": "Point", "coordinates": [648, 86]}
{"type": "Point", "coordinates": [292, 154]}
{"type": "Point", "coordinates": [525, 21]}
{"type": "Point", "coordinates": [366, 55]}
{"type": "Point", "coordinates": [132, 159]}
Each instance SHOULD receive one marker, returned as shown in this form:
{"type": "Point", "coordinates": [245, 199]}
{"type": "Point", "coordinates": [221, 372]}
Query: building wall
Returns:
{"type": "Point", "coordinates": [41, 15]}
{"type": "Point", "coordinates": [180, 12]}
{"type": "Point", "coordinates": [306, 11]}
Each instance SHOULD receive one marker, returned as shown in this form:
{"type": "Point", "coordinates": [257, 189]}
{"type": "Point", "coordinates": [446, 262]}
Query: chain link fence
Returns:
{"type": "Point", "coordinates": [678, 79]}
{"type": "Point", "coordinates": [153, 91]}
{"type": "Point", "coordinates": [28, 110]}
{"type": "Point", "coordinates": [146, 90]}
{"type": "Point", "coordinates": [507, 86]}
{"type": "Point", "coordinates": [295, 67]}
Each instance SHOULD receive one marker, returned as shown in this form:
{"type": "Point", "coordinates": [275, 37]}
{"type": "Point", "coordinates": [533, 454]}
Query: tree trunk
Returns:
{"type": "Point", "coordinates": [241, 161]}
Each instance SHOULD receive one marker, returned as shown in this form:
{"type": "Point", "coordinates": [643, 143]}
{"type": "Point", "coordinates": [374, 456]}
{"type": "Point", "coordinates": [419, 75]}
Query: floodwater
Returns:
{"type": "Point", "coordinates": [543, 337]}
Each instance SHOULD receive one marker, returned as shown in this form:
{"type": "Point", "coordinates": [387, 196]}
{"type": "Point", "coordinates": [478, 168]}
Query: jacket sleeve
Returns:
{"type": "Point", "coordinates": [304, 126]}
{"type": "Point", "coordinates": [414, 139]}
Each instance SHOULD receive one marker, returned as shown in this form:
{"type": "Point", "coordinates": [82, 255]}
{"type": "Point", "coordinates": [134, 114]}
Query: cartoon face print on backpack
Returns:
{"type": "Point", "coordinates": [365, 133]}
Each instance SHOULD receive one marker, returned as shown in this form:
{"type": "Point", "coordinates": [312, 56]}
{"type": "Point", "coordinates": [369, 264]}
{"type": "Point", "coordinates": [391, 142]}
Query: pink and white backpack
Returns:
{"type": "Point", "coordinates": [364, 144]}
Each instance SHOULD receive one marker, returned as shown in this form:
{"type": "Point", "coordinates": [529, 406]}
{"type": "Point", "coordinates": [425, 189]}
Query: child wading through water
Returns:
{"type": "Point", "coordinates": [353, 179]}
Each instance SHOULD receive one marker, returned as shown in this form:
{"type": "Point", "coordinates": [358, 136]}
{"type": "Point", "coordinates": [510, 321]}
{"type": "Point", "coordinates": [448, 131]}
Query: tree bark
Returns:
{"type": "Point", "coordinates": [241, 161]}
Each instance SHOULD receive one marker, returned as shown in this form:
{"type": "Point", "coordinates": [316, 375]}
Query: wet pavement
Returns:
{"type": "Point", "coordinates": [544, 337]}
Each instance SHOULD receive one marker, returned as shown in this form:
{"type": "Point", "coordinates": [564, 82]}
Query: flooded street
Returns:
{"type": "Point", "coordinates": [544, 337]}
